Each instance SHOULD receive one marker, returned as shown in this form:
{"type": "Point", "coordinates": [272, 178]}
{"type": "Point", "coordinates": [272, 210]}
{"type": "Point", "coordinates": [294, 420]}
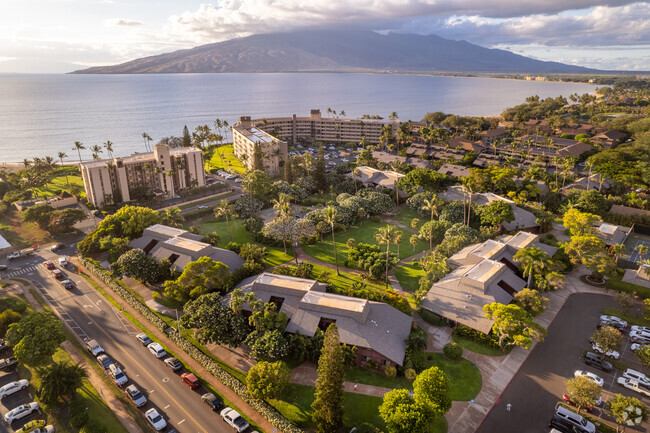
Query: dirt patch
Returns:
{"type": "Point", "coordinates": [21, 234]}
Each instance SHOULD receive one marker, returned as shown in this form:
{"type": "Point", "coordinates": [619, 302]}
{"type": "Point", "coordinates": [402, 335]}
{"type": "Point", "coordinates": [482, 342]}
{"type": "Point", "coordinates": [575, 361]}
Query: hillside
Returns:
{"type": "Point", "coordinates": [337, 51]}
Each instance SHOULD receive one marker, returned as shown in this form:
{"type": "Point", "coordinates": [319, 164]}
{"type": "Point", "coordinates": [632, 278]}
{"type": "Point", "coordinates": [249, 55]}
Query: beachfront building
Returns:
{"type": "Point", "coordinates": [378, 330]}
{"type": "Point", "coordinates": [246, 134]}
{"type": "Point", "coordinates": [162, 172]}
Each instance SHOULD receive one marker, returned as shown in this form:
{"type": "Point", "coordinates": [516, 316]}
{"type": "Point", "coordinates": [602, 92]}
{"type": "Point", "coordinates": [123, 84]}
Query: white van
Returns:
{"type": "Point", "coordinates": [638, 376]}
{"type": "Point", "coordinates": [575, 419]}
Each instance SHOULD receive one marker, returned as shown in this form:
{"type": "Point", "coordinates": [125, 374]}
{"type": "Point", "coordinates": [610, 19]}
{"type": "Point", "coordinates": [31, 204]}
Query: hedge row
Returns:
{"type": "Point", "coordinates": [267, 411]}
{"type": "Point", "coordinates": [622, 286]}
{"type": "Point", "coordinates": [477, 336]}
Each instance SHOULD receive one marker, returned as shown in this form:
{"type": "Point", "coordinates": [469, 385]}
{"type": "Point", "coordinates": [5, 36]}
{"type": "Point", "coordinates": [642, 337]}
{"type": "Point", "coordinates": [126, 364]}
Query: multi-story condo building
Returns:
{"type": "Point", "coordinates": [274, 134]}
{"type": "Point", "coordinates": [162, 172]}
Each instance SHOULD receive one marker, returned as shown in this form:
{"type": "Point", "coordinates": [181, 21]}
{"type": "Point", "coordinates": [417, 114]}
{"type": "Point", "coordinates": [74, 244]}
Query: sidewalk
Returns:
{"type": "Point", "coordinates": [498, 371]}
{"type": "Point", "coordinates": [229, 394]}
{"type": "Point", "coordinates": [94, 378]}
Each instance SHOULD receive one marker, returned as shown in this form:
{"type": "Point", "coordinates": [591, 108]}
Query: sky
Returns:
{"type": "Point", "coordinates": [62, 35]}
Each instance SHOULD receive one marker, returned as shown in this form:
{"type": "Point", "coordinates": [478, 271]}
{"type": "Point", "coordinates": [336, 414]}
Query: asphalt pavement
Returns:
{"type": "Point", "coordinates": [91, 316]}
{"type": "Point", "coordinates": [540, 383]}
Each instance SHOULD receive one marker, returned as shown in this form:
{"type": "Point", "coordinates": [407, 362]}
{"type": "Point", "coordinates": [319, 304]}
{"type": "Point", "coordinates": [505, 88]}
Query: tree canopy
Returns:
{"type": "Point", "coordinates": [328, 403]}
{"type": "Point", "coordinates": [36, 337]}
{"type": "Point", "coordinates": [214, 322]}
{"type": "Point", "coordinates": [267, 379]}
{"type": "Point", "coordinates": [200, 277]}
{"type": "Point", "coordinates": [513, 325]}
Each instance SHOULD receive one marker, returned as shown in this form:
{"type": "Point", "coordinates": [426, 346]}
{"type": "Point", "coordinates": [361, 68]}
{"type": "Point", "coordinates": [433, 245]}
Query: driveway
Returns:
{"type": "Point", "coordinates": [539, 384]}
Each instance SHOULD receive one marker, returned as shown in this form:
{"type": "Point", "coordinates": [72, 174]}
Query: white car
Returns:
{"type": "Point", "coordinates": [13, 387]}
{"type": "Point", "coordinates": [638, 376]}
{"type": "Point", "coordinates": [590, 375]}
{"type": "Point", "coordinates": [611, 353]}
{"type": "Point", "coordinates": [640, 337]}
{"type": "Point", "coordinates": [63, 261]}
{"type": "Point", "coordinates": [645, 329]}
{"type": "Point", "coordinates": [118, 376]}
{"type": "Point", "coordinates": [21, 412]}
{"type": "Point", "coordinates": [234, 419]}
{"type": "Point", "coordinates": [155, 419]}
{"type": "Point", "coordinates": [144, 339]}
{"type": "Point", "coordinates": [633, 385]}
{"type": "Point", "coordinates": [157, 350]}
{"type": "Point", "coordinates": [636, 346]}
{"type": "Point", "coordinates": [613, 319]}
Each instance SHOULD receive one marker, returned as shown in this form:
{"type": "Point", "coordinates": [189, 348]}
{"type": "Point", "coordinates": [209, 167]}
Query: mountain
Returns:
{"type": "Point", "coordinates": [37, 66]}
{"type": "Point", "coordinates": [335, 50]}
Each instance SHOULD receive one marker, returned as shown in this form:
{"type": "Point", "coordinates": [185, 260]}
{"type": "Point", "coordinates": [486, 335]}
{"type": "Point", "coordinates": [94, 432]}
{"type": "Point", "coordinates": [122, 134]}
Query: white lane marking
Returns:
{"type": "Point", "coordinates": [165, 408]}
{"type": "Point", "coordinates": [181, 421]}
{"type": "Point", "coordinates": [92, 303]}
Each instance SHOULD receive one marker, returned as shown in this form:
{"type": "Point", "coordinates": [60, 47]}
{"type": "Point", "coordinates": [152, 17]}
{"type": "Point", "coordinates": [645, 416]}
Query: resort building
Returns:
{"type": "Point", "coordinates": [181, 247]}
{"type": "Point", "coordinates": [246, 136]}
{"type": "Point", "coordinates": [162, 172]}
{"type": "Point", "coordinates": [378, 330]}
{"type": "Point", "coordinates": [485, 273]}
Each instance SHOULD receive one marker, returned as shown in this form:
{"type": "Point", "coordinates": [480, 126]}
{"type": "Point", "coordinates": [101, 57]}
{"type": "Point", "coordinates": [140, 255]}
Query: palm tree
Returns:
{"type": "Point", "coordinates": [62, 155]}
{"type": "Point", "coordinates": [225, 208]}
{"type": "Point", "coordinates": [96, 150]}
{"type": "Point", "coordinates": [469, 187]}
{"type": "Point", "coordinates": [356, 173]}
{"type": "Point", "coordinates": [27, 163]}
{"type": "Point", "coordinates": [146, 139]}
{"type": "Point", "coordinates": [414, 241]}
{"type": "Point", "coordinates": [642, 249]}
{"type": "Point", "coordinates": [342, 113]}
{"type": "Point", "coordinates": [617, 251]}
{"type": "Point", "coordinates": [393, 116]}
{"type": "Point", "coordinates": [532, 259]}
{"type": "Point", "coordinates": [172, 217]}
{"type": "Point", "coordinates": [79, 146]}
{"type": "Point", "coordinates": [330, 218]}
{"type": "Point", "coordinates": [386, 235]}
{"type": "Point", "coordinates": [329, 110]}
{"type": "Point", "coordinates": [399, 238]}
{"type": "Point", "coordinates": [109, 147]}
{"type": "Point", "coordinates": [60, 381]}
{"type": "Point", "coordinates": [431, 206]}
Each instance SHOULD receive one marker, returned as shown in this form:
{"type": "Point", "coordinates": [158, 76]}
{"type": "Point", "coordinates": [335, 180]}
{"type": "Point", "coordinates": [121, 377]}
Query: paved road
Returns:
{"type": "Point", "coordinates": [538, 386]}
{"type": "Point", "coordinates": [91, 315]}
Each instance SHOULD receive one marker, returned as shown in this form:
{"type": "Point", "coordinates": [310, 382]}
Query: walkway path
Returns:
{"type": "Point", "coordinates": [94, 378]}
{"type": "Point", "coordinates": [306, 374]}
{"type": "Point", "coordinates": [398, 224]}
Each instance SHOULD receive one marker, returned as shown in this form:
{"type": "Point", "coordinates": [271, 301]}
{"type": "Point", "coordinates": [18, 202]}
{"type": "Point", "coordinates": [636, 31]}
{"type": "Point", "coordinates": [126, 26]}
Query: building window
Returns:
{"type": "Point", "coordinates": [324, 322]}
{"type": "Point", "coordinates": [367, 358]}
{"type": "Point", "coordinates": [385, 362]}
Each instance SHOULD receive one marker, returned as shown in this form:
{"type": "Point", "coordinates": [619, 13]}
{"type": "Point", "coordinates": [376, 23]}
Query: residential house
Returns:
{"type": "Point", "coordinates": [378, 330]}
{"type": "Point", "coordinates": [592, 183]}
{"type": "Point", "coordinates": [465, 144]}
{"type": "Point", "coordinates": [612, 234]}
{"type": "Point", "coordinates": [491, 135]}
{"type": "Point", "coordinates": [454, 170]}
{"type": "Point", "coordinates": [577, 129]}
{"type": "Point", "coordinates": [60, 201]}
{"type": "Point", "coordinates": [609, 139]}
{"type": "Point", "coordinates": [181, 247]}
{"type": "Point", "coordinates": [628, 211]}
{"type": "Point", "coordinates": [535, 125]}
{"type": "Point", "coordinates": [639, 276]}
{"type": "Point", "coordinates": [388, 158]}
{"type": "Point", "coordinates": [485, 160]}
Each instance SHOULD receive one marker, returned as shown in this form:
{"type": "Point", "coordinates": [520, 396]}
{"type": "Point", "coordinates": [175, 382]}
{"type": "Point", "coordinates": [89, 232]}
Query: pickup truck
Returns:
{"type": "Point", "coordinates": [21, 253]}
{"type": "Point", "coordinates": [94, 347]}
{"type": "Point", "coordinates": [8, 363]}
{"type": "Point", "coordinates": [634, 385]}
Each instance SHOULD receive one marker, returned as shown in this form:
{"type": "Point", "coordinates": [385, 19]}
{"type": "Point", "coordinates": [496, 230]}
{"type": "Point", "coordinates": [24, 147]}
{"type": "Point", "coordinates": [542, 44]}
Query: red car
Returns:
{"type": "Point", "coordinates": [49, 264]}
{"type": "Point", "coordinates": [191, 380]}
{"type": "Point", "coordinates": [57, 274]}
{"type": "Point", "coordinates": [568, 400]}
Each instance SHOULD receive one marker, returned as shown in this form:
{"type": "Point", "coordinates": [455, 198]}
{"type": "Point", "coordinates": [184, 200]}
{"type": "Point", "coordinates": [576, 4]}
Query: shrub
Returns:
{"type": "Point", "coordinates": [622, 286]}
{"type": "Point", "coordinates": [453, 351]}
{"type": "Point", "coordinates": [477, 336]}
{"type": "Point", "coordinates": [432, 318]}
{"type": "Point", "coordinates": [390, 371]}
{"type": "Point", "coordinates": [93, 427]}
{"type": "Point", "coordinates": [410, 374]}
{"type": "Point", "coordinates": [372, 364]}
{"type": "Point", "coordinates": [79, 420]}
{"type": "Point", "coordinates": [234, 247]}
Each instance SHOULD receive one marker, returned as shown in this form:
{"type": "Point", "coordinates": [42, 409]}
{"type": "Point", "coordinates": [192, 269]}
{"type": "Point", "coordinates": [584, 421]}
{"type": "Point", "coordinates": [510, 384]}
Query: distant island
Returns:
{"type": "Point", "coordinates": [339, 51]}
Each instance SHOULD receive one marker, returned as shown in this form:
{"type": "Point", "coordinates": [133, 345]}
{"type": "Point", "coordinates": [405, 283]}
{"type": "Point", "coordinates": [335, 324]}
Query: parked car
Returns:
{"type": "Point", "coordinates": [640, 337]}
{"type": "Point", "coordinates": [57, 247]}
{"type": "Point", "coordinates": [68, 284]}
{"type": "Point", "coordinates": [157, 350]}
{"type": "Point", "coordinates": [212, 400]}
{"type": "Point", "coordinates": [567, 399]}
{"type": "Point", "coordinates": [575, 419]}
{"type": "Point", "coordinates": [3, 345]}
{"type": "Point", "coordinates": [634, 385]}
{"type": "Point", "coordinates": [13, 387]}
{"type": "Point", "coordinates": [57, 274]}
{"type": "Point", "coordinates": [191, 380]}
{"type": "Point", "coordinates": [3, 267]}
{"type": "Point", "coordinates": [118, 376]}
{"type": "Point", "coordinates": [144, 339]}
{"type": "Point", "coordinates": [93, 347]}
{"type": "Point", "coordinates": [8, 363]}
{"type": "Point", "coordinates": [234, 419]}
{"type": "Point", "coordinates": [636, 328]}
{"type": "Point", "coordinates": [599, 380]}
{"type": "Point", "coordinates": [155, 419]}
{"type": "Point", "coordinates": [638, 376]}
{"type": "Point", "coordinates": [597, 361]}
{"type": "Point", "coordinates": [173, 363]}
{"type": "Point", "coordinates": [135, 395]}
{"type": "Point", "coordinates": [614, 321]}
{"type": "Point", "coordinates": [104, 361]}
{"type": "Point", "coordinates": [636, 346]}
{"type": "Point", "coordinates": [49, 264]}
{"type": "Point", "coordinates": [561, 425]}
{"type": "Point", "coordinates": [611, 353]}
{"type": "Point", "coordinates": [36, 426]}
{"type": "Point", "coordinates": [21, 412]}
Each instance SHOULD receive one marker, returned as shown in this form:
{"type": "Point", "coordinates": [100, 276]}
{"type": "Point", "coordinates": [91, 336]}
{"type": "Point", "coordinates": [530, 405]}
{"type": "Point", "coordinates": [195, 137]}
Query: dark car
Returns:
{"type": "Point", "coordinates": [8, 363]}
{"type": "Point", "coordinates": [213, 401]}
{"type": "Point", "coordinates": [565, 426]}
{"type": "Point", "coordinates": [191, 380]}
{"type": "Point", "coordinates": [67, 284]}
{"type": "Point", "coordinates": [595, 360]}
{"type": "Point", "coordinates": [57, 247]}
{"type": "Point", "coordinates": [3, 267]}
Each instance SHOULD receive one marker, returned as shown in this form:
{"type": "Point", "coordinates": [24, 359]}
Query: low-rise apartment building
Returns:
{"type": "Point", "coordinates": [246, 136]}
{"type": "Point", "coordinates": [164, 172]}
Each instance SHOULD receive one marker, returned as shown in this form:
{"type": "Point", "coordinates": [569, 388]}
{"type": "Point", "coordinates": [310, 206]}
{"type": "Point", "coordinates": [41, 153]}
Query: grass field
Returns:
{"type": "Point", "coordinates": [362, 233]}
{"type": "Point", "coordinates": [345, 280]}
{"type": "Point", "coordinates": [406, 215]}
{"type": "Point", "coordinates": [58, 184]}
{"type": "Point", "coordinates": [21, 234]}
{"type": "Point", "coordinates": [479, 348]}
{"type": "Point", "coordinates": [229, 162]}
{"type": "Point", "coordinates": [276, 255]}
{"type": "Point", "coordinates": [409, 275]}
{"type": "Point", "coordinates": [296, 407]}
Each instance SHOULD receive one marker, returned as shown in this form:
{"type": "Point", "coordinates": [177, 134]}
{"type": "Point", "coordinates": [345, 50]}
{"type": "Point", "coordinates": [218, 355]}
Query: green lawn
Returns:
{"type": "Point", "coordinates": [296, 407]}
{"type": "Point", "coordinates": [214, 200]}
{"type": "Point", "coordinates": [345, 280]}
{"type": "Point", "coordinates": [465, 379]}
{"type": "Point", "coordinates": [375, 378]}
{"type": "Point", "coordinates": [409, 276]}
{"type": "Point", "coordinates": [276, 255]}
{"type": "Point", "coordinates": [406, 215]}
{"type": "Point", "coordinates": [365, 233]}
{"type": "Point", "coordinates": [479, 348]}
{"type": "Point", "coordinates": [230, 162]}
{"type": "Point", "coordinates": [60, 183]}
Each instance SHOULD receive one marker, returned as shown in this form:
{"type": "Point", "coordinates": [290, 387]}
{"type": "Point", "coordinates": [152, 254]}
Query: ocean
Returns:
{"type": "Point", "coordinates": [42, 115]}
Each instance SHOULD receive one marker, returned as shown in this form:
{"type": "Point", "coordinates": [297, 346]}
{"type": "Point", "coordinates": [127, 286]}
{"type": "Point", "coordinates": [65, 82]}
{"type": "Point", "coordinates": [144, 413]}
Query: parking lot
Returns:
{"type": "Point", "coordinates": [14, 400]}
{"type": "Point", "coordinates": [333, 156]}
{"type": "Point", "coordinates": [540, 383]}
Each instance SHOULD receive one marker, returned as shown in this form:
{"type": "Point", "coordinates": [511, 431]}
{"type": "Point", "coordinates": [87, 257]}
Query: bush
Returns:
{"type": "Point", "coordinates": [432, 318]}
{"type": "Point", "coordinates": [410, 374]}
{"type": "Point", "coordinates": [234, 247]}
{"type": "Point", "coordinates": [453, 351]}
{"type": "Point", "coordinates": [390, 371]}
{"type": "Point", "coordinates": [476, 336]}
{"type": "Point", "coordinates": [79, 420]}
{"type": "Point", "coordinates": [622, 286]}
{"type": "Point", "coordinates": [93, 427]}
{"type": "Point", "coordinates": [11, 303]}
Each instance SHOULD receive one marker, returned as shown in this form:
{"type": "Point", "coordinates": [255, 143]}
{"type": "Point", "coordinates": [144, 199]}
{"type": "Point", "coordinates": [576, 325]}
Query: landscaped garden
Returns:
{"type": "Point", "coordinates": [65, 178]}
{"type": "Point", "coordinates": [224, 158]}
{"type": "Point", "coordinates": [408, 275]}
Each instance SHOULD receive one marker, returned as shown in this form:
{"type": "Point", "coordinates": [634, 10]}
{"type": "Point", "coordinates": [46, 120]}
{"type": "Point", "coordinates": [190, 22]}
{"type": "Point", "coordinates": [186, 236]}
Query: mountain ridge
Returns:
{"type": "Point", "coordinates": [337, 51]}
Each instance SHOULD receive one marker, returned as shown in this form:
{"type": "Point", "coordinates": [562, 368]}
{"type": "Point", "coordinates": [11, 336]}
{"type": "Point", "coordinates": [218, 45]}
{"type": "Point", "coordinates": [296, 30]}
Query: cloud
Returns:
{"type": "Point", "coordinates": [210, 23]}
{"type": "Point", "coordinates": [121, 22]}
